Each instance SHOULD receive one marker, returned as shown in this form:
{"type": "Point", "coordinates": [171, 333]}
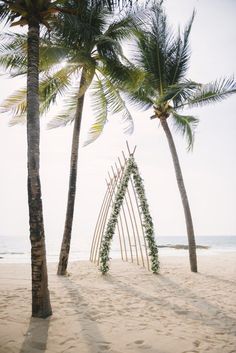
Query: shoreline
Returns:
{"type": "Point", "coordinates": [178, 250]}
{"type": "Point", "coordinates": [130, 310]}
{"type": "Point", "coordinates": [17, 249]}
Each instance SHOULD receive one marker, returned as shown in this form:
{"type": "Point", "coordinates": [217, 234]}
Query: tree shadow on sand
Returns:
{"type": "Point", "coordinates": [87, 316]}
{"type": "Point", "coordinates": [36, 336]}
{"type": "Point", "coordinates": [207, 313]}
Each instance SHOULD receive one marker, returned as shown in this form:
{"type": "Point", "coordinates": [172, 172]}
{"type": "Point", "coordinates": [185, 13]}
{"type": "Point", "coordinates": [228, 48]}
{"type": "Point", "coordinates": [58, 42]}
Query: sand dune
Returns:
{"type": "Point", "coordinates": [129, 310]}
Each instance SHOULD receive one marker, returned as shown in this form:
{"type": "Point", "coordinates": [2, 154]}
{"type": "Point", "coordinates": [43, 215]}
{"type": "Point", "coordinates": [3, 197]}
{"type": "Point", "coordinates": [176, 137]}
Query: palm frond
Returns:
{"type": "Point", "coordinates": [138, 90]}
{"type": "Point", "coordinates": [109, 4]}
{"type": "Point", "coordinates": [140, 98]}
{"type": "Point", "coordinates": [54, 85]}
{"type": "Point", "coordinates": [82, 28]}
{"type": "Point", "coordinates": [13, 53]}
{"type": "Point", "coordinates": [178, 58]}
{"type": "Point", "coordinates": [5, 14]}
{"type": "Point", "coordinates": [18, 120]}
{"type": "Point", "coordinates": [109, 49]}
{"type": "Point", "coordinates": [120, 28]}
{"type": "Point", "coordinates": [186, 126]}
{"type": "Point", "coordinates": [117, 3]}
{"type": "Point", "coordinates": [154, 38]}
{"type": "Point", "coordinates": [13, 42]}
{"type": "Point", "coordinates": [212, 92]}
{"type": "Point", "coordinates": [123, 74]}
{"type": "Point", "coordinates": [178, 93]}
{"type": "Point", "coordinates": [15, 65]}
{"type": "Point", "coordinates": [15, 104]}
{"type": "Point", "coordinates": [100, 108]}
{"type": "Point", "coordinates": [116, 104]}
{"type": "Point", "coordinates": [109, 43]}
{"type": "Point", "coordinates": [161, 53]}
{"type": "Point", "coordinates": [3, 11]}
{"type": "Point", "coordinates": [50, 88]}
{"type": "Point", "coordinates": [107, 99]}
{"type": "Point", "coordinates": [51, 54]}
{"type": "Point", "coordinates": [67, 115]}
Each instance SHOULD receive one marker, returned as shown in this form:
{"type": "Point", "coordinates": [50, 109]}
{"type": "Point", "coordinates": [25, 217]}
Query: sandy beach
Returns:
{"type": "Point", "coordinates": [129, 310]}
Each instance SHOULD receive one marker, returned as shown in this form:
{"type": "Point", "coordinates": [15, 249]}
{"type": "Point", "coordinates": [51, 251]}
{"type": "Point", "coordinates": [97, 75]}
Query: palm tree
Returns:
{"type": "Point", "coordinates": [33, 13]}
{"type": "Point", "coordinates": [88, 43]}
{"type": "Point", "coordinates": [163, 59]}
{"type": "Point", "coordinates": [96, 56]}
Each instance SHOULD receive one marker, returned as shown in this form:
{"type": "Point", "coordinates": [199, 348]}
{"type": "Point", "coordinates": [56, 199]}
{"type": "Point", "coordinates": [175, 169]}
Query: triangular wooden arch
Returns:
{"type": "Point", "coordinates": [125, 208]}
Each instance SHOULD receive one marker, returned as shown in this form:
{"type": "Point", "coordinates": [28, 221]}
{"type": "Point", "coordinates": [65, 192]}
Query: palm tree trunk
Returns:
{"type": "Point", "coordinates": [65, 246]}
{"type": "Point", "coordinates": [41, 306]}
{"type": "Point", "coordinates": [183, 193]}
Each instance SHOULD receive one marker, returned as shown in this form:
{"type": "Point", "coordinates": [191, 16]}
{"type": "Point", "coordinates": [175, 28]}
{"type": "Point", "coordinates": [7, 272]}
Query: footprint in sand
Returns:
{"type": "Point", "coordinates": [139, 342]}
{"type": "Point", "coordinates": [104, 346]}
{"type": "Point", "coordinates": [66, 341]}
{"type": "Point", "coordinates": [182, 312]}
{"type": "Point", "coordinates": [196, 343]}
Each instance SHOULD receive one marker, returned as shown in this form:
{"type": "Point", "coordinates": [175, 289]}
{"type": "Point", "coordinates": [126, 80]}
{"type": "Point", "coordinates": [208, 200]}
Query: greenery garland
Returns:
{"type": "Point", "coordinates": [131, 168]}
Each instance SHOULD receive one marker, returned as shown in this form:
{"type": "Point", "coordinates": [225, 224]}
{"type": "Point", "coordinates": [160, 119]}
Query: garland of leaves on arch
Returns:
{"type": "Point", "coordinates": [131, 169]}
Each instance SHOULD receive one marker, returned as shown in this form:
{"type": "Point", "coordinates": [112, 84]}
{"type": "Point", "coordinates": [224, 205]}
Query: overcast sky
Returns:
{"type": "Point", "coordinates": [209, 171]}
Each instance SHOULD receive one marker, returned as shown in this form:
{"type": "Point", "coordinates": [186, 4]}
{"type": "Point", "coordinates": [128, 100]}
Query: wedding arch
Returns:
{"type": "Point", "coordinates": [125, 210]}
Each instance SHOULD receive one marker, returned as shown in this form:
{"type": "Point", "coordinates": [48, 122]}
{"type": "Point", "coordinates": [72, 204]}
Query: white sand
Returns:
{"type": "Point", "coordinates": [129, 310]}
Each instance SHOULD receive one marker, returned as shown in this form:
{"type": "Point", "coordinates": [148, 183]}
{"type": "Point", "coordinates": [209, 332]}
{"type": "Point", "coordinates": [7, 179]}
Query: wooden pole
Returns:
{"type": "Point", "coordinates": [97, 224]}
{"type": "Point", "coordinates": [127, 227]}
{"type": "Point", "coordinates": [135, 221]}
{"type": "Point", "coordinates": [132, 224]}
{"type": "Point", "coordinates": [141, 221]}
{"type": "Point", "coordinates": [102, 226]}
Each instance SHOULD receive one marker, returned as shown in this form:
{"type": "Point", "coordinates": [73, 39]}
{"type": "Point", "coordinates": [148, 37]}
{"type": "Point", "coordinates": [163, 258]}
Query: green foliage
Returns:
{"type": "Point", "coordinates": [13, 53]}
{"type": "Point", "coordinates": [85, 39]}
{"type": "Point", "coordinates": [107, 99]}
{"type": "Point", "coordinates": [23, 12]}
{"type": "Point", "coordinates": [186, 125]}
{"type": "Point", "coordinates": [90, 38]}
{"type": "Point", "coordinates": [131, 169]}
{"type": "Point", "coordinates": [212, 92]}
{"type": "Point", "coordinates": [164, 56]}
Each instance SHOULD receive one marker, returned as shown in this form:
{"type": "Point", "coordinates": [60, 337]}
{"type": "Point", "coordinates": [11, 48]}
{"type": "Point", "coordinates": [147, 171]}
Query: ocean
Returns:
{"type": "Point", "coordinates": [17, 249]}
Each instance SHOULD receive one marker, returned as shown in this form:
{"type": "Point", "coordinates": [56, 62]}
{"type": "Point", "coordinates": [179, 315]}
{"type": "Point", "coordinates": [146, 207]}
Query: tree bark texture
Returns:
{"type": "Point", "coordinates": [183, 193]}
{"type": "Point", "coordinates": [41, 306]}
{"type": "Point", "coordinates": [65, 246]}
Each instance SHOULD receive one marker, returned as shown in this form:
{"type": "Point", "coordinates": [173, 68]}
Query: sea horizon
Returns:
{"type": "Point", "coordinates": [16, 249]}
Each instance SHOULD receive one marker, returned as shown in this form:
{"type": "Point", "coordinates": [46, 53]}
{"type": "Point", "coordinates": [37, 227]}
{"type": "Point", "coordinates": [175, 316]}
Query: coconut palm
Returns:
{"type": "Point", "coordinates": [164, 58]}
{"type": "Point", "coordinates": [32, 14]}
{"type": "Point", "coordinates": [88, 43]}
{"type": "Point", "coordinates": [96, 57]}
